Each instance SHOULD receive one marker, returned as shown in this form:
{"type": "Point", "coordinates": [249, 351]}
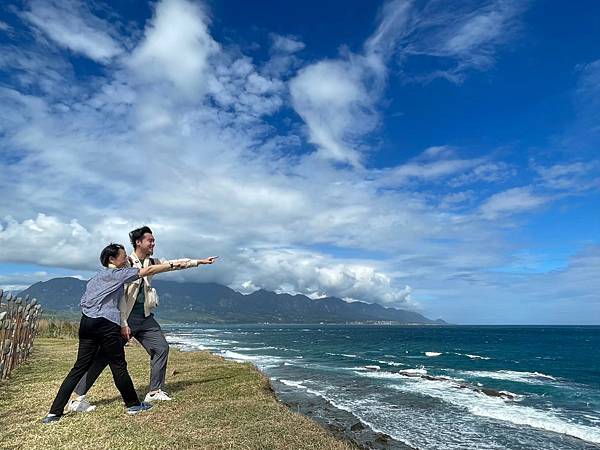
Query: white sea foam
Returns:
{"type": "Point", "coordinates": [259, 360]}
{"type": "Point", "coordinates": [420, 371]}
{"type": "Point", "coordinates": [432, 353]}
{"type": "Point", "coordinates": [295, 384]}
{"type": "Point", "coordinates": [346, 355]}
{"type": "Point", "coordinates": [468, 355]}
{"type": "Point", "coordinates": [498, 408]}
{"type": "Point", "coordinates": [383, 375]}
{"type": "Point", "coordinates": [255, 348]}
{"type": "Point", "coordinates": [188, 344]}
{"type": "Point", "coordinates": [389, 363]}
{"type": "Point", "coordinates": [511, 375]}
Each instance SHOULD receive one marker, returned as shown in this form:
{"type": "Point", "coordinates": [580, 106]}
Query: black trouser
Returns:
{"type": "Point", "coordinates": [148, 333]}
{"type": "Point", "coordinates": [97, 335]}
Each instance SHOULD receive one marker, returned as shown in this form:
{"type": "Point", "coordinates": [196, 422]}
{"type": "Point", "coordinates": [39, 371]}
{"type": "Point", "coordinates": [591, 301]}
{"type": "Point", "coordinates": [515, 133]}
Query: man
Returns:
{"type": "Point", "coordinates": [137, 320]}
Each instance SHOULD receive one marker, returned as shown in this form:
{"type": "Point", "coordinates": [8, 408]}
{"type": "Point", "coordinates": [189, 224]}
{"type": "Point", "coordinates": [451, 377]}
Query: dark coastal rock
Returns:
{"type": "Point", "coordinates": [358, 426]}
{"type": "Point", "coordinates": [495, 393]}
{"type": "Point", "coordinates": [269, 388]}
{"type": "Point", "coordinates": [383, 438]}
{"type": "Point", "coordinates": [338, 427]}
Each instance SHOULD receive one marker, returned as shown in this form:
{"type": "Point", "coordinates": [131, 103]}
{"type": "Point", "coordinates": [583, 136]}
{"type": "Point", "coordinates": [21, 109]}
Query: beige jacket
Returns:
{"type": "Point", "coordinates": [132, 289]}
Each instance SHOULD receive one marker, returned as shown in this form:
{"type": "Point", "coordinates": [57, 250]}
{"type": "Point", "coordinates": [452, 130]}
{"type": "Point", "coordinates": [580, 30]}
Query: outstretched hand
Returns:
{"type": "Point", "coordinates": [209, 260]}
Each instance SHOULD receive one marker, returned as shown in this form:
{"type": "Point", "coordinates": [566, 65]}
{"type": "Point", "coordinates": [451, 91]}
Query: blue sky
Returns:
{"type": "Point", "coordinates": [424, 155]}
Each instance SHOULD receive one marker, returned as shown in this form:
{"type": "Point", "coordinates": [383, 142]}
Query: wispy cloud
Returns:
{"type": "Point", "coordinates": [511, 201]}
{"type": "Point", "coordinates": [583, 134]}
{"type": "Point", "coordinates": [573, 177]}
{"type": "Point", "coordinates": [466, 37]}
{"type": "Point", "coordinates": [71, 25]}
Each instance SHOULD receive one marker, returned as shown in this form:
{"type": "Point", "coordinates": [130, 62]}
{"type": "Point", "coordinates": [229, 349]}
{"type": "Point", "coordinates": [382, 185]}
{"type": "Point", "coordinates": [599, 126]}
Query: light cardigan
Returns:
{"type": "Point", "coordinates": [132, 289]}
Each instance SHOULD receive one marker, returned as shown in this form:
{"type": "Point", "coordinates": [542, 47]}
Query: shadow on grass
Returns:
{"type": "Point", "coordinates": [171, 388]}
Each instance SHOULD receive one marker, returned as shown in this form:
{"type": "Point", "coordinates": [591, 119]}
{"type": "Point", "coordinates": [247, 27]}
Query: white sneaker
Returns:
{"type": "Point", "coordinates": [160, 395]}
{"type": "Point", "coordinates": [80, 406]}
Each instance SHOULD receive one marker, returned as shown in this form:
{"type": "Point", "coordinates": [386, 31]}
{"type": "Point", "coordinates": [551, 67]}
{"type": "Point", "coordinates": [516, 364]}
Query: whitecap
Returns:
{"type": "Point", "coordinates": [346, 355]}
{"type": "Point", "coordinates": [389, 363]}
{"type": "Point", "coordinates": [420, 371]}
{"type": "Point", "coordinates": [382, 375]}
{"type": "Point", "coordinates": [432, 353]}
{"type": "Point", "coordinates": [511, 375]}
{"type": "Point", "coordinates": [468, 355]}
{"type": "Point", "coordinates": [259, 360]}
{"type": "Point", "coordinates": [291, 383]}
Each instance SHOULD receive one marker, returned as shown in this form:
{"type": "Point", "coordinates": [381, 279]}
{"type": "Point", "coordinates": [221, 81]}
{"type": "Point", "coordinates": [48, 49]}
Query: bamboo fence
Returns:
{"type": "Point", "coordinates": [19, 320]}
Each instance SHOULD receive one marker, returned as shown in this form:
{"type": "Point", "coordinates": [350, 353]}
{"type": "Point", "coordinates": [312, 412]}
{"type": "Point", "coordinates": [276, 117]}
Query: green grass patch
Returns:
{"type": "Point", "coordinates": [217, 404]}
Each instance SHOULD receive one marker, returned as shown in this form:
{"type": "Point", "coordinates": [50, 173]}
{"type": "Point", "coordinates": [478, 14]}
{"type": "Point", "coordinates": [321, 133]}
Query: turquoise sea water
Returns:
{"type": "Point", "coordinates": [432, 387]}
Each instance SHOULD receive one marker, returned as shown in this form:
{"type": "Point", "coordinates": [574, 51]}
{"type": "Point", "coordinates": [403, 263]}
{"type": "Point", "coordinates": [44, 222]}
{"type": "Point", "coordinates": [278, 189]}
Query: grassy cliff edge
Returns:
{"type": "Point", "coordinates": [218, 404]}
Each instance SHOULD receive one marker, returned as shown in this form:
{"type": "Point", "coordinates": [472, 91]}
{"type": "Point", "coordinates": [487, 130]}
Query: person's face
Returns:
{"type": "Point", "coordinates": [146, 244]}
{"type": "Point", "coordinates": [120, 260]}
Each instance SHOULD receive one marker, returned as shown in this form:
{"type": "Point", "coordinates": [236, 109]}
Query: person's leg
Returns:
{"type": "Point", "coordinates": [112, 347]}
{"type": "Point", "coordinates": [89, 378]}
{"type": "Point", "coordinates": [88, 347]}
{"type": "Point", "coordinates": [153, 340]}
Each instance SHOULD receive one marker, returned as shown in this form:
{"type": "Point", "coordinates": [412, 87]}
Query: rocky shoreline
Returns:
{"type": "Point", "coordinates": [342, 424]}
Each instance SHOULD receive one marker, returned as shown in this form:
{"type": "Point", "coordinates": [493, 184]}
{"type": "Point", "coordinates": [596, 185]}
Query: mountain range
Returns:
{"type": "Point", "coordinates": [215, 303]}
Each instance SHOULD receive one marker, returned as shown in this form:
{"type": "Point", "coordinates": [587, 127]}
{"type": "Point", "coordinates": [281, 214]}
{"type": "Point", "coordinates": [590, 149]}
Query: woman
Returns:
{"type": "Point", "coordinates": [100, 328]}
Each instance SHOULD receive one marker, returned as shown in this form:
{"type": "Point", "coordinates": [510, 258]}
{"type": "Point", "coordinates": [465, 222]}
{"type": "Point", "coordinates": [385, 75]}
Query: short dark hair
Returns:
{"type": "Point", "coordinates": [110, 251]}
{"type": "Point", "coordinates": [138, 234]}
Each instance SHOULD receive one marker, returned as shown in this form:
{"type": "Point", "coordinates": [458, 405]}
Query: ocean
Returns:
{"type": "Point", "coordinates": [428, 387]}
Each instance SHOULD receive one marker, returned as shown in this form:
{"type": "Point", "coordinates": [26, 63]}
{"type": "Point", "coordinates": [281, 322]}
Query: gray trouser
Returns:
{"type": "Point", "coordinates": [148, 333]}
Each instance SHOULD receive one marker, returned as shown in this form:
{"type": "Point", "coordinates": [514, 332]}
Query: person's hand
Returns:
{"type": "Point", "coordinates": [209, 260]}
{"type": "Point", "coordinates": [180, 264]}
{"type": "Point", "coordinates": [126, 332]}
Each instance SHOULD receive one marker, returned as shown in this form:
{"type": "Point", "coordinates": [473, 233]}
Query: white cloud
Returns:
{"type": "Point", "coordinates": [70, 24]}
{"type": "Point", "coordinates": [54, 241]}
{"type": "Point", "coordinates": [332, 99]}
{"type": "Point", "coordinates": [426, 171]}
{"type": "Point", "coordinates": [572, 177]}
{"type": "Point", "coordinates": [488, 171]}
{"type": "Point", "coordinates": [395, 22]}
{"type": "Point", "coordinates": [511, 201]}
{"type": "Point", "coordinates": [176, 47]}
{"type": "Point", "coordinates": [285, 44]}
{"type": "Point", "coordinates": [292, 271]}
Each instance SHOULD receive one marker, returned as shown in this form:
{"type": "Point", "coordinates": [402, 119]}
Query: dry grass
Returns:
{"type": "Point", "coordinates": [217, 404]}
{"type": "Point", "coordinates": [57, 328]}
